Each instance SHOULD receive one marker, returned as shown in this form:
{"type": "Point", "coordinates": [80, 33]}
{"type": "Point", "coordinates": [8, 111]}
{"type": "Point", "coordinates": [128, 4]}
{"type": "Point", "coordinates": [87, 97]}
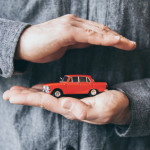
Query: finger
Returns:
{"type": "Point", "coordinates": [27, 98]}
{"type": "Point", "coordinates": [79, 45]}
{"type": "Point", "coordinates": [82, 111]}
{"type": "Point", "coordinates": [42, 100]}
{"type": "Point", "coordinates": [9, 93]}
{"type": "Point", "coordinates": [70, 108]}
{"type": "Point", "coordinates": [38, 99]}
{"type": "Point", "coordinates": [16, 87]}
{"type": "Point", "coordinates": [30, 99]}
{"type": "Point", "coordinates": [94, 25]}
{"type": "Point", "coordinates": [92, 37]}
{"type": "Point", "coordinates": [75, 109]}
{"type": "Point", "coordinates": [38, 86]}
{"type": "Point", "coordinates": [124, 43]}
{"type": "Point", "coordinates": [87, 24]}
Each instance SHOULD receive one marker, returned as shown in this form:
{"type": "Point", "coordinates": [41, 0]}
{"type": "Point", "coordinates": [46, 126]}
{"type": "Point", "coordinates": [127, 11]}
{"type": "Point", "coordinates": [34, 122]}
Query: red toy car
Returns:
{"type": "Point", "coordinates": [75, 84]}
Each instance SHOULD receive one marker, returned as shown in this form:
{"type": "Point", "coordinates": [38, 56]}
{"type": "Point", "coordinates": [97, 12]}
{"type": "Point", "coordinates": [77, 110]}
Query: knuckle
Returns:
{"type": "Point", "coordinates": [104, 28]}
{"type": "Point", "coordinates": [68, 34]}
{"type": "Point", "coordinates": [71, 16]}
{"type": "Point", "coordinates": [90, 32]}
{"type": "Point", "coordinates": [64, 27]}
{"type": "Point", "coordinates": [101, 36]}
{"type": "Point", "coordinates": [118, 40]}
{"type": "Point", "coordinates": [68, 18]}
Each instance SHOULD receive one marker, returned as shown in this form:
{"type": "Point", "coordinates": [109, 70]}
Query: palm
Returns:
{"type": "Point", "coordinates": [106, 103]}
{"type": "Point", "coordinates": [107, 107]}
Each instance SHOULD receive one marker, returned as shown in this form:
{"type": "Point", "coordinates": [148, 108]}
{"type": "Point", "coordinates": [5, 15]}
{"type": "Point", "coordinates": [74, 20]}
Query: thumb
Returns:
{"type": "Point", "coordinates": [38, 86]}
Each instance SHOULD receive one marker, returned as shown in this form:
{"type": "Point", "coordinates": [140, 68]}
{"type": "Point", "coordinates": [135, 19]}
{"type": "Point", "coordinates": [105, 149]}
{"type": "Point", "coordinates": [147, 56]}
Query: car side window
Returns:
{"type": "Point", "coordinates": [75, 79]}
{"type": "Point", "coordinates": [82, 79]}
{"type": "Point", "coordinates": [71, 80]}
{"type": "Point", "coordinates": [87, 79]}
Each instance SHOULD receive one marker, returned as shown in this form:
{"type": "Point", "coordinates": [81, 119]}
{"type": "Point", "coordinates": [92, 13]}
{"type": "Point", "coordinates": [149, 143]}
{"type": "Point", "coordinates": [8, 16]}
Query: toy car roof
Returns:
{"type": "Point", "coordinates": [83, 75]}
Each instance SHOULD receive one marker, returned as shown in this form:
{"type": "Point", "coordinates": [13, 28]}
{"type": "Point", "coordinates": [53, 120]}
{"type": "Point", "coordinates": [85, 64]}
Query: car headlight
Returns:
{"type": "Point", "coordinates": [46, 89]}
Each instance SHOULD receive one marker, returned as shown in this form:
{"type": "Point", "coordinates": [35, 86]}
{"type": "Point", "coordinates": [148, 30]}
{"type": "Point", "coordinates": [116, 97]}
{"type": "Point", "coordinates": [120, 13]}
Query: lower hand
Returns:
{"type": "Point", "coordinates": [50, 40]}
{"type": "Point", "coordinates": [108, 107]}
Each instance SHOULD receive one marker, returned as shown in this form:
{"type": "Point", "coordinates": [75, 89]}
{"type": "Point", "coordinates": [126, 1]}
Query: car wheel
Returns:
{"type": "Point", "coordinates": [93, 92]}
{"type": "Point", "coordinates": [57, 93]}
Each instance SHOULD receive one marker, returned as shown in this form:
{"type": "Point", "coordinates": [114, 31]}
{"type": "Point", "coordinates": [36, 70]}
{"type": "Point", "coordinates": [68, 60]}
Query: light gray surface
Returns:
{"type": "Point", "coordinates": [30, 128]}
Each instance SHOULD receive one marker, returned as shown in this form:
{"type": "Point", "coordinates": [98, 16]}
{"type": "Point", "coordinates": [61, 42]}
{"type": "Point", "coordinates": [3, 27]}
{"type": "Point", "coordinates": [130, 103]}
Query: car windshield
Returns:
{"type": "Point", "coordinates": [64, 79]}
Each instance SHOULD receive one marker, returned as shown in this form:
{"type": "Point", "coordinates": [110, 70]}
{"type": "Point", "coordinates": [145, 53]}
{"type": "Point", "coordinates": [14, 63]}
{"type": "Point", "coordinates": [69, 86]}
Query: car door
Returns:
{"type": "Point", "coordinates": [73, 86]}
{"type": "Point", "coordinates": [85, 85]}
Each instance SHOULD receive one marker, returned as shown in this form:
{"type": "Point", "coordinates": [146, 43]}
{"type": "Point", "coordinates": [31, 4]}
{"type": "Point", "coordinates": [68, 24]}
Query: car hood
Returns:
{"type": "Point", "coordinates": [55, 84]}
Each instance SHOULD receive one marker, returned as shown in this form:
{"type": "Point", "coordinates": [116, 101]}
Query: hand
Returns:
{"type": "Point", "coordinates": [108, 107]}
{"type": "Point", "coordinates": [49, 41]}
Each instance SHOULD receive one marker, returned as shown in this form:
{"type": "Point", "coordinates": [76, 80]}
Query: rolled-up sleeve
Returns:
{"type": "Point", "coordinates": [138, 93]}
{"type": "Point", "coordinates": [10, 32]}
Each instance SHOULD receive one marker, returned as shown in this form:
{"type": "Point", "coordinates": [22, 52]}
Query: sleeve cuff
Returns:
{"type": "Point", "coordinates": [139, 103]}
{"type": "Point", "coordinates": [20, 66]}
{"type": "Point", "coordinates": [9, 35]}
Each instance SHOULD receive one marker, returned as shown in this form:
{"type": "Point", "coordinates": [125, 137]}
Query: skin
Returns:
{"type": "Point", "coordinates": [49, 41]}
{"type": "Point", "coordinates": [107, 107]}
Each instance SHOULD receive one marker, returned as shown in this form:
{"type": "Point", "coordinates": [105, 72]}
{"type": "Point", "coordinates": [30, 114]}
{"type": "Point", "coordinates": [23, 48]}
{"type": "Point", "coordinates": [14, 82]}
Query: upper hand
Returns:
{"type": "Point", "coordinates": [49, 41]}
{"type": "Point", "coordinates": [108, 107]}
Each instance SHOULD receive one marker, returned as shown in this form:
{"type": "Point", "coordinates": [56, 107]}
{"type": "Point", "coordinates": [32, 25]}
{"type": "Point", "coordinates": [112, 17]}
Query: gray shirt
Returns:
{"type": "Point", "coordinates": [31, 128]}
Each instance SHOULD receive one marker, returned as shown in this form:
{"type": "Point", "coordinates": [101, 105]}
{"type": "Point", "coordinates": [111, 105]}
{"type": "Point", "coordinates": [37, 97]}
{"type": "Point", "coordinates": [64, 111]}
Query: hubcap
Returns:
{"type": "Point", "coordinates": [93, 92]}
{"type": "Point", "coordinates": [57, 93]}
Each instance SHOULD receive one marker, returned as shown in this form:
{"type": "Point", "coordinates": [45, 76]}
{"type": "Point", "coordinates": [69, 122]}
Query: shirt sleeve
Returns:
{"type": "Point", "coordinates": [10, 32]}
{"type": "Point", "coordinates": [138, 93]}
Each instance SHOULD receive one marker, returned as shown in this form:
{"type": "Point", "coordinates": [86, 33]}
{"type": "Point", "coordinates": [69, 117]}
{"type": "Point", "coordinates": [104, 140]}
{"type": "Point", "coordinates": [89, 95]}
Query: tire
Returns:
{"type": "Point", "coordinates": [109, 87]}
{"type": "Point", "coordinates": [93, 92]}
{"type": "Point", "coordinates": [57, 93]}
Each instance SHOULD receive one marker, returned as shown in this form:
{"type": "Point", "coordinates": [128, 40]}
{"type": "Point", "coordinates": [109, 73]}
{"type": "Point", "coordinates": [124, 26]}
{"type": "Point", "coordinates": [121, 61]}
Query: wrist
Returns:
{"type": "Point", "coordinates": [125, 118]}
{"type": "Point", "coordinates": [19, 48]}
{"type": "Point", "coordinates": [122, 114]}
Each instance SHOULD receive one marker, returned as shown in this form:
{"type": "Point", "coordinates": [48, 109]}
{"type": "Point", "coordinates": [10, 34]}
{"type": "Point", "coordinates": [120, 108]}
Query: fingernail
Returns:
{"type": "Point", "coordinates": [12, 100]}
{"type": "Point", "coordinates": [117, 37]}
{"type": "Point", "coordinates": [4, 96]}
{"type": "Point", "coordinates": [67, 105]}
{"type": "Point", "coordinates": [133, 42]}
{"type": "Point", "coordinates": [133, 45]}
